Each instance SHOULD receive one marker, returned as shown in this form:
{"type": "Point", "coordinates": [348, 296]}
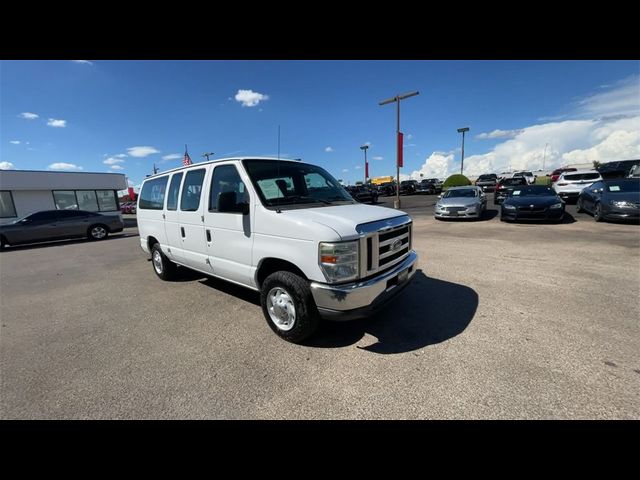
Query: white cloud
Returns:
{"type": "Point", "coordinates": [611, 133]}
{"type": "Point", "coordinates": [623, 98]}
{"type": "Point", "coordinates": [171, 156]}
{"type": "Point", "coordinates": [142, 151]}
{"type": "Point", "coordinates": [56, 123]}
{"type": "Point", "coordinates": [345, 170]}
{"type": "Point", "coordinates": [358, 167]}
{"type": "Point", "coordinates": [328, 149]}
{"type": "Point", "coordinates": [498, 134]}
{"type": "Point", "coordinates": [29, 115]}
{"type": "Point", "coordinates": [6, 166]}
{"type": "Point", "coordinates": [120, 155]}
{"type": "Point", "coordinates": [117, 167]}
{"type": "Point", "coordinates": [378, 158]}
{"type": "Point", "coordinates": [15, 142]}
{"type": "Point", "coordinates": [113, 161]}
{"type": "Point", "coordinates": [249, 98]}
{"type": "Point", "coordinates": [409, 136]}
{"type": "Point", "coordinates": [85, 62]}
{"type": "Point", "coordinates": [367, 144]}
{"type": "Point", "coordinates": [64, 166]}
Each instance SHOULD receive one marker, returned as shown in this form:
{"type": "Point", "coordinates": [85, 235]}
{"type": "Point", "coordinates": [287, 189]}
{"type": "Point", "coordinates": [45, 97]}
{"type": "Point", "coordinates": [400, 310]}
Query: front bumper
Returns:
{"type": "Point", "coordinates": [361, 299]}
{"type": "Point", "coordinates": [463, 214]}
{"type": "Point", "coordinates": [546, 214]}
{"type": "Point", "coordinates": [618, 213]}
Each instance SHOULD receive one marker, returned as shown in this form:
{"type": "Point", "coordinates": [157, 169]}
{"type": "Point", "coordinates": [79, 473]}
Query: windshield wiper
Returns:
{"type": "Point", "coordinates": [304, 197]}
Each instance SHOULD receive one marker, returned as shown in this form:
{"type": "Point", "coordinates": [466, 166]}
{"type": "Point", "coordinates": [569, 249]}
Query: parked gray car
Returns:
{"type": "Point", "coordinates": [59, 224]}
{"type": "Point", "coordinates": [461, 202]}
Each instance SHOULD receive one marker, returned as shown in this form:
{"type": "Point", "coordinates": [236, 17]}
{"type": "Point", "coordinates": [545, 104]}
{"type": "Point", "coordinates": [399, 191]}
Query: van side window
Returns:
{"type": "Point", "coordinates": [227, 179]}
{"type": "Point", "coordinates": [191, 190]}
{"type": "Point", "coordinates": [152, 194]}
{"type": "Point", "coordinates": [174, 188]}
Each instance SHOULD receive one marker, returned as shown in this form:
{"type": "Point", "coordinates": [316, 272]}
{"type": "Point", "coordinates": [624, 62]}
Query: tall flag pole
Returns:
{"type": "Point", "coordinates": [187, 159]}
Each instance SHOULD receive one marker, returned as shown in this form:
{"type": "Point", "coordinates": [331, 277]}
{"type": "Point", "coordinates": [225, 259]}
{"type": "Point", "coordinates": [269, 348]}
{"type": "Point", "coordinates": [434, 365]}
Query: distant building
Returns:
{"type": "Point", "coordinates": [26, 191]}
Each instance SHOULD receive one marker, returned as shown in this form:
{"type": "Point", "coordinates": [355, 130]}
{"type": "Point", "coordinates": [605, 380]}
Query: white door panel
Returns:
{"type": "Point", "coordinates": [172, 223]}
{"type": "Point", "coordinates": [191, 220]}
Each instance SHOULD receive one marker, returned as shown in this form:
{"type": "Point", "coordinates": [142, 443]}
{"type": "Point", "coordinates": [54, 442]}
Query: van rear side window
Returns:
{"type": "Point", "coordinates": [191, 190]}
{"type": "Point", "coordinates": [152, 194]}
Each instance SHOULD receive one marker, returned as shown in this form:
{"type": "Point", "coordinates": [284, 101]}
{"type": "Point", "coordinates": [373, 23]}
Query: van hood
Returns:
{"type": "Point", "coordinates": [343, 219]}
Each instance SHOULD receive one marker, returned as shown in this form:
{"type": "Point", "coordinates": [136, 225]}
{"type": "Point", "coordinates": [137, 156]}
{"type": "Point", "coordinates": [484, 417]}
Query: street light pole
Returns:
{"type": "Point", "coordinates": [462, 130]}
{"type": "Point", "coordinates": [207, 155]}
{"type": "Point", "coordinates": [365, 147]}
{"type": "Point", "coordinates": [397, 99]}
{"type": "Point", "coordinates": [544, 157]}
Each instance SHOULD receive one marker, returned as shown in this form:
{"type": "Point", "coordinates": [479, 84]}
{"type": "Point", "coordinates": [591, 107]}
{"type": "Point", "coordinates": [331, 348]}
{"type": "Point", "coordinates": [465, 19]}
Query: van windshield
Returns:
{"type": "Point", "coordinates": [283, 183]}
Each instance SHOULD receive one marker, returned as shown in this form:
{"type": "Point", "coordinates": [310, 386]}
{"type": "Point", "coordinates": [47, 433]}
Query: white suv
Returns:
{"type": "Point", "coordinates": [285, 228]}
{"type": "Point", "coordinates": [570, 184]}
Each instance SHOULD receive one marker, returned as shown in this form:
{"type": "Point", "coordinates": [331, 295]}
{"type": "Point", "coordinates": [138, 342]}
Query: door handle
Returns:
{"type": "Point", "coordinates": [182, 231]}
{"type": "Point", "coordinates": [208, 235]}
{"type": "Point", "coordinates": [163, 215]}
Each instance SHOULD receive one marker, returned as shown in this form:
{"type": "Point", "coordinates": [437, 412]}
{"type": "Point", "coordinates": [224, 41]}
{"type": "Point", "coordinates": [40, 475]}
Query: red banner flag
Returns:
{"type": "Point", "coordinates": [132, 194]}
{"type": "Point", "coordinates": [366, 170]}
{"type": "Point", "coordinates": [400, 142]}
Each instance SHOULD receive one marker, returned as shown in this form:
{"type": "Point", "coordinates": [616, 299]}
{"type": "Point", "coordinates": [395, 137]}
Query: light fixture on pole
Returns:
{"type": "Point", "coordinates": [207, 155]}
{"type": "Point", "coordinates": [397, 99]}
{"type": "Point", "coordinates": [366, 165]}
{"type": "Point", "coordinates": [462, 130]}
{"type": "Point", "coordinates": [544, 157]}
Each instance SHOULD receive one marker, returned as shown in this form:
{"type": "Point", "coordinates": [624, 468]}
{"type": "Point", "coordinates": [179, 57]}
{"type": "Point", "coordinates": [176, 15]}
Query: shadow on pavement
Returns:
{"type": "Point", "coordinates": [62, 243]}
{"type": "Point", "coordinates": [429, 311]}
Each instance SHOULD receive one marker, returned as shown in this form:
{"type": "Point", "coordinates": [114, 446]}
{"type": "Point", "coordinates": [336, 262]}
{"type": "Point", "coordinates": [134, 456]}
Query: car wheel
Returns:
{"type": "Point", "coordinates": [97, 232]}
{"type": "Point", "coordinates": [3, 242]}
{"type": "Point", "coordinates": [597, 213]}
{"type": "Point", "coordinates": [579, 208]}
{"type": "Point", "coordinates": [288, 306]}
{"type": "Point", "coordinates": [165, 269]}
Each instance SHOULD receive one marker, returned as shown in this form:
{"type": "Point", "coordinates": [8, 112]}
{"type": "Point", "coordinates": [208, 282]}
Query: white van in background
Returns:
{"type": "Point", "coordinates": [285, 228]}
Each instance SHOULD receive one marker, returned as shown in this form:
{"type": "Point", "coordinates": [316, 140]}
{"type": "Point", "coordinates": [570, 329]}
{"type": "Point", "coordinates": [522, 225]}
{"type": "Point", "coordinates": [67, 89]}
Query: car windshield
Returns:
{"type": "Point", "coordinates": [283, 183]}
{"type": "Point", "coordinates": [625, 186]}
{"type": "Point", "coordinates": [486, 177]}
{"type": "Point", "coordinates": [463, 192]}
{"type": "Point", "coordinates": [582, 176]}
{"type": "Point", "coordinates": [513, 181]}
{"type": "Point", "coordinates": [532, 191]}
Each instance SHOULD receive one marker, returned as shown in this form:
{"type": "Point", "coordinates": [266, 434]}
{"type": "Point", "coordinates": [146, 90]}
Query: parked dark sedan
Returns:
{"type": "Point", "coordinates": [59, 224]}
{"type": "Point", "coordinates": [612, 199]}
{"type": "Point", "coordinates": [408, 187]}
{"type": "Point", "coordinates": [532, 202]}
{"type": "Point", "coordinates": [506, 185]}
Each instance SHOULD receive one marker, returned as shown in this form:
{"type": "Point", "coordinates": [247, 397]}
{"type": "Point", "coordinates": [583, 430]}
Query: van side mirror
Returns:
{"type": "Point", "coordinates": [228, 203]}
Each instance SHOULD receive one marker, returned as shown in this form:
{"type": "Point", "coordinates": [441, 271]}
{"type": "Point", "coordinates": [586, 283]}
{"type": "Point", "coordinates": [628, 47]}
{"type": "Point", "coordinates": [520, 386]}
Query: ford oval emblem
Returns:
{"type": "Point", "coordinates": [395, 245]}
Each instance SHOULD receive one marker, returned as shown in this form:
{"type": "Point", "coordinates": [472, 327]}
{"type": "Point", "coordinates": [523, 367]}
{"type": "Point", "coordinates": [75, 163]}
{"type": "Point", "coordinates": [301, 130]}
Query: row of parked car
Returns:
{"type": "Point", "coordinates": [128, 207]}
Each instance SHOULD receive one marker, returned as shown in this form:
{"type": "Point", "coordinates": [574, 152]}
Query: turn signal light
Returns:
{"type": "Point", "coordinates": [329, 259]}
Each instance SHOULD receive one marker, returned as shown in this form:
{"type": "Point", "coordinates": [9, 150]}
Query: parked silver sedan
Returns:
{"type": "Point", "coordinates": [461, 202]}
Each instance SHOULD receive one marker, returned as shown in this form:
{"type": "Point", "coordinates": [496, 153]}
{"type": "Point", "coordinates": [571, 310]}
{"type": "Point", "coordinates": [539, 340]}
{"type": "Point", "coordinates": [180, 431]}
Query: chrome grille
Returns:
{"type": "Point", "coordinates": [384, 244]}
{"type": "Point", "coordinates": [455, 209]}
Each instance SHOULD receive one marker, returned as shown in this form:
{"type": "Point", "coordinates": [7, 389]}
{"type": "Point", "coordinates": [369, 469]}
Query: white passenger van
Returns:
{"type": "Point", "coordinates": [285, 228]}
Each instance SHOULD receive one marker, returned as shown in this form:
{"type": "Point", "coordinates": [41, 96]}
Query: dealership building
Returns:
{"type": "Point", "coordinates": [26, 191]}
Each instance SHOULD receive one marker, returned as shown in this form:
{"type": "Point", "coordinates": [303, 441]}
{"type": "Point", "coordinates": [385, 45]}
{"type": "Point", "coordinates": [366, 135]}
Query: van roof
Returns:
{"type": "Point", "coordinates": [217, 160]}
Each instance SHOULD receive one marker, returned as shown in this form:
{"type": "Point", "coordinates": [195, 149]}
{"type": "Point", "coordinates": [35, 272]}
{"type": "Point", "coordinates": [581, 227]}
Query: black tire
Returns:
{"type": "Point", "coordinates": [597, 213]}
{"type": "Point", "coordinates": [3, 242]}
{"type": "Point", "coordinates": [97, 232]}
{"type": "Point", "coordinates": [164, 268]}
{"type": "Point", "coordinates": [306, 316]}
{"type": "Point", "coordinates": [579, 208]}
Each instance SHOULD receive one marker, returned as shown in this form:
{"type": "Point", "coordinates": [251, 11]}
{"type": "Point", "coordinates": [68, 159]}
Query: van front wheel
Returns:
{"type": "Point", "coordinates": [288, 306]}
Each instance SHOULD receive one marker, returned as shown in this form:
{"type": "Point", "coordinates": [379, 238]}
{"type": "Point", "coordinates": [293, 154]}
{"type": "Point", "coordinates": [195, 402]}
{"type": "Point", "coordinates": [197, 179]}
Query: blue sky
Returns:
{"type": "Point", "coordinates": [92, 112]}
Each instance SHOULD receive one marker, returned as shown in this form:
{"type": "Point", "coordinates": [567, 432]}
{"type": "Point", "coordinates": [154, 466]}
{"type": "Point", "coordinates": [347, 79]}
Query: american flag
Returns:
{"type": "Point", "coordinates": [187, 159]}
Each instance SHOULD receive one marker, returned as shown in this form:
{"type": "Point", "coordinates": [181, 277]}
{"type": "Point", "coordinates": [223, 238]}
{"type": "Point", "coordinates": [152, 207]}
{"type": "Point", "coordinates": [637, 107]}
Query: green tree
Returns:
{"type": "Point", "coordinates": [456, 180]}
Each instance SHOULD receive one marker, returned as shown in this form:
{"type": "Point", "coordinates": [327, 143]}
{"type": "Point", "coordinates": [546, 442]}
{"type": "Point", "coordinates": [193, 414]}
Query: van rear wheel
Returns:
{"type": "Point", "coordinates": [165, 269]}
{"type": "Point", "coordinates": [288, 306]}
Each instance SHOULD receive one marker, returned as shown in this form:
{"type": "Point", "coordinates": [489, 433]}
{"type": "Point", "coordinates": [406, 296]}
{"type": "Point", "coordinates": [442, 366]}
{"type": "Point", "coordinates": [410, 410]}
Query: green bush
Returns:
{"type": "Point", "coordinates": [456, 180]}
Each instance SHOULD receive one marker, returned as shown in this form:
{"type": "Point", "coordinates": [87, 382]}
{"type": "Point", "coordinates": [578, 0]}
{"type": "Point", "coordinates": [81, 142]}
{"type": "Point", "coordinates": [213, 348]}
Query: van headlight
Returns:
{"type": "Point", "coordinates": [339, 261]}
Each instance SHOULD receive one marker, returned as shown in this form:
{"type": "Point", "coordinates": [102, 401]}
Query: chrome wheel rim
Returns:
{"type": "Point", "coordinates": [596, 213]}
{"type": "Point", "coordinates": [281, 308]}
{"type": "Point", "coordinates": [157, 262]}
{"type": "Point", "coordinates": [98, 232]}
